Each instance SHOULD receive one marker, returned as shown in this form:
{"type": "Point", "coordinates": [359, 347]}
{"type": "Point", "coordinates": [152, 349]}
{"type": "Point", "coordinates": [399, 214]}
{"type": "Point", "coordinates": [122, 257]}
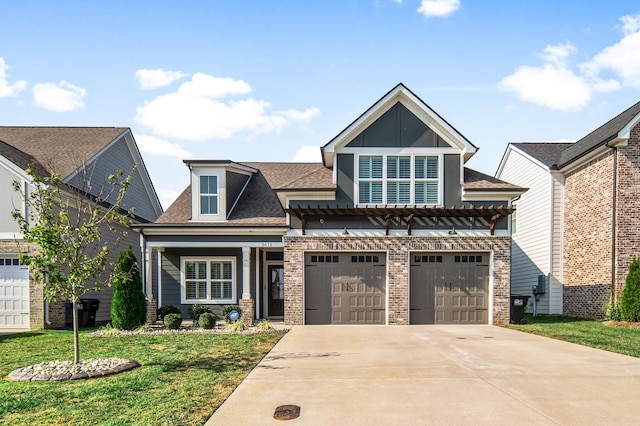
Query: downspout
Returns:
{"type": "Point", "coordinates": [614, 203]}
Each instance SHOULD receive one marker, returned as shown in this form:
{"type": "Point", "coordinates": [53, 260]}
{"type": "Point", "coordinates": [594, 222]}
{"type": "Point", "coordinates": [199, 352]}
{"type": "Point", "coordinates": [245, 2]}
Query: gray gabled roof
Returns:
{"type": "Point", "coordinates": [599, 136]}
{"type": "Point", "coordinates": [61, 149]}
{"type": "Point", "coordinates": [548, 153]}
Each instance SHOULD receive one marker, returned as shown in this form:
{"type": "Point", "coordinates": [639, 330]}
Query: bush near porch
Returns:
{"type": "Point", "coordinates": [183, 379]}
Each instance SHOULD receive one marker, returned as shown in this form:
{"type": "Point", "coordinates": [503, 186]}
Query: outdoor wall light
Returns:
{"type": "Point", "coordinates": [321, 220]}
{"type": "Point", "coordinates": [453, 231]}
{"type": "Point", "coordinates": [345, 232]}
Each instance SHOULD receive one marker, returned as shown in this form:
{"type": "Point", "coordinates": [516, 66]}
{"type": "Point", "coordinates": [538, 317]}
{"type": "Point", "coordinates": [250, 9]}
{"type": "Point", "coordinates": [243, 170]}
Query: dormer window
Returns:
{"type": "Point", "coordinates": [399, 179]}
{"type": "Point", "coordinates": [209, 195]}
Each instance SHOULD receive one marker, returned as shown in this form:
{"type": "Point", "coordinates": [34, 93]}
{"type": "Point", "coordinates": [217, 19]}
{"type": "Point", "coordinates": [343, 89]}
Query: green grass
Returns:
{"type": "Point", "coordinates": [595, 334]}
{"type": "Point", "coordinates": [182, 381]}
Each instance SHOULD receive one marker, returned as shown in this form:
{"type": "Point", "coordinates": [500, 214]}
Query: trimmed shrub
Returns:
{"type": "Point", "coordinates": [196, 310]}
{"type": "Point", "coordinates": [207, 320]}
{"type": "Point", "coordinates": [168, 309]}
{"type": "Point", "coordinates": [227, 309]}
{"type": "Point", "coordinates": [630, 296]}
{"type": "Point", "coordinates": [128, 305]}
{"type": "Point", "coordinates": [173, 321]}
{"type": "Point", "coordinates": [236, 327]}
{"type": "Point", "coordinates": [613, 311]}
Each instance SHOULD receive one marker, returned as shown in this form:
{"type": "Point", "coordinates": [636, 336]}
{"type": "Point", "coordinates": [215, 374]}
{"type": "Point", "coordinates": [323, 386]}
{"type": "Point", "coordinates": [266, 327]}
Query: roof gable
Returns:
{"type": "Point", "coordinates": [616, 129]}
{"type": "Point", "coordinates": [61, 149]}
{"type": "Point", "coordinates": [411, 103]}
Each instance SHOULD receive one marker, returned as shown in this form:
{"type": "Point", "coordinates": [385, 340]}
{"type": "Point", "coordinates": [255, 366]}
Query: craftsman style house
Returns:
{"type": "Point", "coordinates": [391, 228]}
{"type": "Point", "coordinates": [577, 227]}
{"type": "Point", "coordinates": [84, 157]}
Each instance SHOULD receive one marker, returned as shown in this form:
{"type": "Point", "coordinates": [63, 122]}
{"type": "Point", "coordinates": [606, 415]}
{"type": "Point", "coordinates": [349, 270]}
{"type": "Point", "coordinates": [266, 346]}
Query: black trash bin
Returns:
{"type": "Point", "coordinates": [518, 306]}
{"type": "Point", "coordinates": [87, 309]}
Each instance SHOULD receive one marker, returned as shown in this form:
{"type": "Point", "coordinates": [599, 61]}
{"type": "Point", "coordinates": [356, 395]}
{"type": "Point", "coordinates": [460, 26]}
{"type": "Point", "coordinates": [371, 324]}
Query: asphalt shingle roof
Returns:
{"type": "Point", "coordinates": [61, 149]}
{"type": "Point", "coordinates": [559, 155]}
{"type": "Point", "coordinates": [477, 181]}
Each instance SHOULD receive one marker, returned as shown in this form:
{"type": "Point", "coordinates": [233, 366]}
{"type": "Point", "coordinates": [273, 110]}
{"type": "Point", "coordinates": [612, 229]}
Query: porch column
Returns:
{"type": "Point", "coordinates": [246, 303]}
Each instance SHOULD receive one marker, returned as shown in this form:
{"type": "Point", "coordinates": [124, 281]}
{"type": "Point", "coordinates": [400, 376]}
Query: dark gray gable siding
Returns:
{"type": "Point", "coordinates": [235, 183]}
{"type": "Point", "coordinates": [118, 157]}
{"type": "Point", "coordinates": [398, 127]}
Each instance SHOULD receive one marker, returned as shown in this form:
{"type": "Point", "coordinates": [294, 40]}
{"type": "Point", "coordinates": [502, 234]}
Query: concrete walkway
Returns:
{"type": "Point", "coordinates": [410, 375]}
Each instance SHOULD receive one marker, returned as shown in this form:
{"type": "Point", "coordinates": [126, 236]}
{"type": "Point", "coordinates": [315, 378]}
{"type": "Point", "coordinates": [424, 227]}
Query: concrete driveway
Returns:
{"type": "Point", "coordinates": [410, 375]}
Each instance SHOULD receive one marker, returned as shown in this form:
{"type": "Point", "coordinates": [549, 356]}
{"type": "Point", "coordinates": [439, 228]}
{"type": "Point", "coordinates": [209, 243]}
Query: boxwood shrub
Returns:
{"type": "Point", "coordinates": [172, 321]}
{"type": "Point", "coordinates": [196, 310]}
{"type": "Point", "coordinates": [168, 309]}
{"type": "Point", "coordinates": [207, 320]}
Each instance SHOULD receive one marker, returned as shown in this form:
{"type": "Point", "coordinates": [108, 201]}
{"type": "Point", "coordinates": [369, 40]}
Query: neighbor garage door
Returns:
{"type": "Point", "coordinates": [449, 288]}
{"type": "Point", "coordinates": [345, 288]}
{"type": "Point", "coordinates": [14, 294]}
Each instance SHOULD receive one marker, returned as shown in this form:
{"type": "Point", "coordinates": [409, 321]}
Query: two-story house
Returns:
{"type": "Point", "coordinates": [391, 228]}
{"type": "Point", "coordinates": [577, 226]}
{"type": "Point", "coordinates": [84, 157]}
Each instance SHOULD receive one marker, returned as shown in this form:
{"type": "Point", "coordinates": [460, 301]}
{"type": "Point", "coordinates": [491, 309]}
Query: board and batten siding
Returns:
{"type": "Point", "coordinates": [118, 157]}
{"type": "Point", "coordinates": [531, 243]}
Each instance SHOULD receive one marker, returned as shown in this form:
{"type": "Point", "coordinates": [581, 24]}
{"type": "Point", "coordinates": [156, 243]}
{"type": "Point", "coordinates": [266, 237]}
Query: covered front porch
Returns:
{"type": "Point", "coordinates": [215, 270]}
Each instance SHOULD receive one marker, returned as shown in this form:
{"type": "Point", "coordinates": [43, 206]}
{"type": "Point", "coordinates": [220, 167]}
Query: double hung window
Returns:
{"type": "Point", "coordinates": [399, 179]}
{"type": "Point", "coordinates": [208, 194]}
{"type": "Point", "coordinates": [208, 280]}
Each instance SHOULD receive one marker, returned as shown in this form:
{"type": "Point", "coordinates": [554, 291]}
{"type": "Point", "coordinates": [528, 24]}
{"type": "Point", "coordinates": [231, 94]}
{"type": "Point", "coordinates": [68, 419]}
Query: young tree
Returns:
{"type": "Point", "coordinates": [128, 305]}
{"type": "Point", "coordinates": [67, 224]}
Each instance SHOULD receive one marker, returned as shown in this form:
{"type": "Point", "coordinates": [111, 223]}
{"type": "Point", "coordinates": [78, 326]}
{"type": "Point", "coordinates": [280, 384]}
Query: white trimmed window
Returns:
{"type": "Point", "coordinates": [209, 195]}
{"type": "Point", "coordinates": [208, 280]}
{"type": "Point", "coordinates": [399, 179]}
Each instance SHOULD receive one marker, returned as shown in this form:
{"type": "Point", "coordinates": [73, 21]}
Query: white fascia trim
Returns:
{"type": "Point", "coordinates": [13, 168]}
{"type": "Point", "coordinates": [511, 149]}
{"type": "Point", "coordinates": [239, 196]}
{"type": "Point", "coordinates": [206, 244]}
{"type": "Point", "coordinates": [400, 151]}
{"type": "Point", "coordinates": [489, 196]}
{"type": "Point", "coordinates": [11, 236]}
{"type": "Point", "coordinates": [144, 173]}
{"type": "Point", "coordinates": [357, 233]}
{"type": "Point", "coordinates": [213, 231]}
{"type": "Point", "coordinates": [412, 103]}
{"type": "Point", "coordinates": [625, 133]}
{"type": "Point", "coordinates": [287, 197]}
{"type": "Point", "coordinates": [587, 158]}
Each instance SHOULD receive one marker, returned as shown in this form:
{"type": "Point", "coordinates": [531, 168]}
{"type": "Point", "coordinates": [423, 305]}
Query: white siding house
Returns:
{"type": "Point", "coordinates": [537, 228]}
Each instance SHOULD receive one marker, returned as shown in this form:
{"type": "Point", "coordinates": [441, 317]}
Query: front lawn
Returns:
{"type": "Point", "coordinates": [595, 334]}
{"type": "Point", "coordinates": [183, 379]}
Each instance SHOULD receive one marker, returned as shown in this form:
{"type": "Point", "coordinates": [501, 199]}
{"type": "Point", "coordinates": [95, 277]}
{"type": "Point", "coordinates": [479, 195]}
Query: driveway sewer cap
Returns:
{"type": "Point", "coordinates": [287, 412]}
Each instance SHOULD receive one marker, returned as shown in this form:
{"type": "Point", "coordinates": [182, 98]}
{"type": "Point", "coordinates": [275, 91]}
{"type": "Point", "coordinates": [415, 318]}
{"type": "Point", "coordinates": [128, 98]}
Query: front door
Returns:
{"type": "Point", "coordinates": [275, 276]}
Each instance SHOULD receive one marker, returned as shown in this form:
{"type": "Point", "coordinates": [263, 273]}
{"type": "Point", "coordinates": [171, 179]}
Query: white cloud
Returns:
{"type": "Point", "coordinates": [156, 146]}
{"type": "Point", "coordinates": [63, 97]}
{"type": "Point", "coordinates": [152, 79]}
{"type": "Point", "coordinates": [556, 86]}
{"type": "Point", "coordinates": [438, 7]}
{"type": "Point", "coordinates": [197, 112]}
{"type": "Point", "coordinates": [7, 89]}
{"type": "Point", "coordinates": [308, 154]}
{"type": "Point", "coordinates": [623, 58]}
{"type": "Point", "coordinates": [550, 86]}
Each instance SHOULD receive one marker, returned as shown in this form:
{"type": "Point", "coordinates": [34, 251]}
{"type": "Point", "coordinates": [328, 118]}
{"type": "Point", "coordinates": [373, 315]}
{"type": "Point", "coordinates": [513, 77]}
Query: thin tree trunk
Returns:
{"type": "Point", "coordinates": [76, 339]}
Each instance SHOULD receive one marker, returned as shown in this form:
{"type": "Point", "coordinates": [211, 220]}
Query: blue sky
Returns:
{"type": "Point", "coordinates": [275, 80]}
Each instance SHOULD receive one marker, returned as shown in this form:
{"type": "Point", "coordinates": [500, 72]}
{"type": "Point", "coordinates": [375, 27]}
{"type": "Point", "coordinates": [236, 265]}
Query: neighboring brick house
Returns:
{"type": "Point", "coordinates": [84, 157]}
{"type": "Point", "coordinates": [390, 229]}
{"type": "Point", "coordinates": [578, 224]}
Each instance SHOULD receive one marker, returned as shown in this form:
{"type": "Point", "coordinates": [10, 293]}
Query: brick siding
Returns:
{"type": "Point", "coordinates": [587, 238]}
{"type": "Point", "coordinates": [588, 229]}
{"type": "Point", "coordinates": [398, 249]}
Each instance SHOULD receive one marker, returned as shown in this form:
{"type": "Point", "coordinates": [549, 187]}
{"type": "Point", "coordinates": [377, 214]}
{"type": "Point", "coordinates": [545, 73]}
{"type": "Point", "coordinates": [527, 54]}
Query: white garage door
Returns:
{"type": "Point", "coordinates": [14, 294]}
